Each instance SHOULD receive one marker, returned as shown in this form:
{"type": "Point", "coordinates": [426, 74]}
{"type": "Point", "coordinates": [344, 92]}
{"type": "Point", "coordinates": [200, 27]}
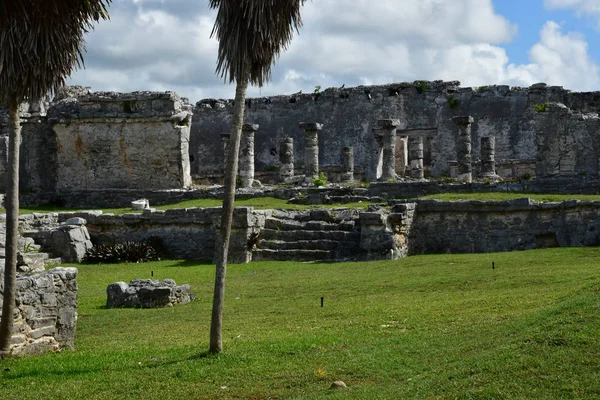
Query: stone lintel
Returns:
{"type": "Point", "coordinates": [417, 132]}
{"type": "Point", "coordinates": [310, 126]}
{"type": "Point", "coordinates": [388, 123]}
{"type": "Point", "coordinates": [286, 140]}
{"type": "Point", "coordinates": [377, 131]}
{"type": "Point", "coordinates": [463, 120]}
{"type": "Point", "coordinates": [250, 127]}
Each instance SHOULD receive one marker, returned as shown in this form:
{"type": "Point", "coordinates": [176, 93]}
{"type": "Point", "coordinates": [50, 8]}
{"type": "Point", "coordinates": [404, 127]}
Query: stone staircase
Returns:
{"type": "Point", "coordinates": [30, 257]}
{"type": "Point", "coordinates": [318, 235]}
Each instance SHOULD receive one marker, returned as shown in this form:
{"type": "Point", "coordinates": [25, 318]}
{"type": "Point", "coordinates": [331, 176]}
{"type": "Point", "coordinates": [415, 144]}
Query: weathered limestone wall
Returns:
{"type": "Point", "coordinates": [349, 115]}
{"type": "Point", "coordinates": [86, 140]}
{"type": "Point", "coordinates": [568, 143]}
{"type": "Point", "coordinates": [135, 140]}
{"type": "Point", "coordinates": [189, 233]}
{"type": "Point", "coordinates": [46, 311]}
{"type": "Point", "coordinates": [481, 227]}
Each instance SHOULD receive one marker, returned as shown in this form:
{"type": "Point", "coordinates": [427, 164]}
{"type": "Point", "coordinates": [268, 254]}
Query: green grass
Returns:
{"type": "Point", "coordinates": [261, 203]}
{"type": "Point", "coordinates": [444, 326]}
{"type": "Point", "coordinates": [501, 196]}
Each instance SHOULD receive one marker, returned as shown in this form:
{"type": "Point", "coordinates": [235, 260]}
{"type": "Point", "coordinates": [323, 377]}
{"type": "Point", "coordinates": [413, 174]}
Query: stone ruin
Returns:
{"type": "Point", "coordinates": [106, 149]}
{"type": "Point", "coordinates": [85, 141]}
{"type": "Point", "coordinates": [147, 293]}
{"type": "Point", "coordinates": [46, 311]}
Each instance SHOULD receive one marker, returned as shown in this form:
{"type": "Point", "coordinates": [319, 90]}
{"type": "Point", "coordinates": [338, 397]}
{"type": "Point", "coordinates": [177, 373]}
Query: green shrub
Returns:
{"type": "Point", "coordinates": [453, 101]}
{"type": "Point", "coordinates": [321, 180]}
{"type": "Point", "coordinates": [421, 86]}
{"type": "Point", "coordinates": [130, 251]}
{"type": "Point", "coordinates": [540, 107]}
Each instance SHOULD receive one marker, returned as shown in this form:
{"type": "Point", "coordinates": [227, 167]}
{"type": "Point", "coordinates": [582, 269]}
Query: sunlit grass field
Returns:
{"type": "Point", "coordinates": [259, 203]}
{"type": "Point", "coordinates": [442, 326]}
{"type": "Point", "coordinates": [502, 196]}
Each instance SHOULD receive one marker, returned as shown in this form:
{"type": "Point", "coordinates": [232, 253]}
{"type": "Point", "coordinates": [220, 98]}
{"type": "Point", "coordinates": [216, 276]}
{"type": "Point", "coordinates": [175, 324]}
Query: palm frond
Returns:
{"type": "Point", "coordinates": [252, 34]}
{"type": "Point", "coordinates": [41, 42]}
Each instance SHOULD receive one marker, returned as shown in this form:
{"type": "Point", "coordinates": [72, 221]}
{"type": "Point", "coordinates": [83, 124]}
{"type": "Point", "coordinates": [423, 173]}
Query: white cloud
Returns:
{"type": "Point", "coordinates": [581, 6]}
{"type": "Point", "coordinates": [165, 45]}
{"type": "Point", "coordinates": [559, 59]}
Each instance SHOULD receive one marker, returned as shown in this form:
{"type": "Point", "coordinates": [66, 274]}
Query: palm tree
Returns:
{"type": "Point", "coordinates": [251, 35]}
{"type": "Point", "coordinates": [41, 42]}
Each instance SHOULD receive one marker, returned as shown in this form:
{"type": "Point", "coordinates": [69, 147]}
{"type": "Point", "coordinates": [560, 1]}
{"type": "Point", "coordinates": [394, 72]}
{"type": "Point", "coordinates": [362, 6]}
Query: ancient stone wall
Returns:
{"type": "Point", "coordinates": [136, 140]}
{"type": "Point", "coordinates": [568, 143]}
{"type": "Point", "coordinates": [186, 233]}
{"type": "Point", "coordinates": [422, 108]}
{"type": "Point", "coordinates": [46, 311]}
{"type": "Point", "coordinates": [102, 140]}
{"type": "Point", "coordinates": [482, 227]}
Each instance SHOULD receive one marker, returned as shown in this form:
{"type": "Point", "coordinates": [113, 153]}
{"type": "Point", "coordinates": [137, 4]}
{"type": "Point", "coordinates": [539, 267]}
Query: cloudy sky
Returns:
{"type": "Point", "coordinates": [166, 45]}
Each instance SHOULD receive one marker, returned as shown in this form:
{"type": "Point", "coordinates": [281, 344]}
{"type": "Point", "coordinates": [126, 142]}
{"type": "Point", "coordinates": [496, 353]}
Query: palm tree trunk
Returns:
{"type": "Point", "coordinates": [216, 323]}
{"type": "Point", "coordinates": [12, 223]}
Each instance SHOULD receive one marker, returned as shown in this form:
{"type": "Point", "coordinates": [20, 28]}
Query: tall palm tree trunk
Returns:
{"type": "Point", "coordinates": [216, 323]}
{"type": "Point", "coordinates": [12, 224]}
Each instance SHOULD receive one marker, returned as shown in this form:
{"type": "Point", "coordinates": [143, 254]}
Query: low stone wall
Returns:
{"type": "Point", "coordinates": [522, 224]}
{"type": "Point", "coordinates": [413, 190]}
{"type": "Point", "coordinates": [189, 233]}
{"type": "Point", "coordinates": [46, 311]}
{"type": "Point", "coordinates": [424, 226]}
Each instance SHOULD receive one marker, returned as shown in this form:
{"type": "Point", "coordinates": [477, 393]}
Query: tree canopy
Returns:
{"type": "Point", "coordinates": [252, 34]}
{"type": "Point", "coordinates": [41, 42]}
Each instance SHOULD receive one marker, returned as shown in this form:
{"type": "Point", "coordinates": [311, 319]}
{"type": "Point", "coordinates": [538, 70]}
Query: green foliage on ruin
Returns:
{"type": "Point", "coordinates": [321, 180]}
{"type": "Point", "coordinates": [453, 102]}
{"type": "Point", "coordinates": [437, 326]}
{"type": "Point", "coordinates": [129, 251]}
{"type": "Point", "coordinates": [421, 86]}
{"type": "Point", "coordinates": [540, 107]}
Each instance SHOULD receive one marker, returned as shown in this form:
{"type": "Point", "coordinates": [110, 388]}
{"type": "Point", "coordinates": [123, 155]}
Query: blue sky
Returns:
{"type": "Point", "coordinates": [166, 45]}
{"type": "Point", "coordinates": [531, 15]}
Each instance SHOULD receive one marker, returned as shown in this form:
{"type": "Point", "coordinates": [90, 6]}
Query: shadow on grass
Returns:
{"type": "Point", "coordinates": [189, 263]}
{"type": "Point", "coordinates": [14, 372]}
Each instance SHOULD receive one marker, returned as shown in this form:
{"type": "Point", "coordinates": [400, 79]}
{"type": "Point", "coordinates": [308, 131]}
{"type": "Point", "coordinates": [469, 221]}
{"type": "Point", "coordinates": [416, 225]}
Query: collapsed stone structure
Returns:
{"type": "Point", "coordinates": [147, 293]}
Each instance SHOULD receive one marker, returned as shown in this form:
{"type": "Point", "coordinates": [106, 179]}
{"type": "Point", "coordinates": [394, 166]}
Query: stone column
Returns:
{"type": "Point", "coordinates": [286, 158]}
{"type": "Point", "coordinates": [225, 141]}
{"type": "Point", "coordinates": [488, 158]}
{"type": "Point", "coordinates": [415, 156]}
{"type": "Point", "coordinates": [463, 148]}
{"type": "Point", "coordinates": [377, 134]}
{"type": "Point", "coordinates": [347, 164]}
{"type": "Point", "coordinates": [311, 150]}
{"type": "Point", "coordinates": [388, 127]}
{"type": "Point", "coordinates": [401, 156]}
{"type": "Point", "coordinates": [246, 164]}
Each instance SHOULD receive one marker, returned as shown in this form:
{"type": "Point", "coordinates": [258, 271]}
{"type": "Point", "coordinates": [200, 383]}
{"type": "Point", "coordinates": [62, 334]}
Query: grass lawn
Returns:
{"type": "Point", "coordinates": [502, 196]}
{"type": "Point", "coordinates": [260, 203]}
{"type": "Point", "coordinates": [425, 327]}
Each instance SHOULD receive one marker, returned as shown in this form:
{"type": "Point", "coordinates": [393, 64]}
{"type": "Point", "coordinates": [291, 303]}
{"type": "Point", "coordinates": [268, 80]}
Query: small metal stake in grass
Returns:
{"type": "Point", "coordinates": [151, 273]}
{"type": "Point", "coordinates": [493, 265]}
{"type": "Point", "coordinates": [322, 300]}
